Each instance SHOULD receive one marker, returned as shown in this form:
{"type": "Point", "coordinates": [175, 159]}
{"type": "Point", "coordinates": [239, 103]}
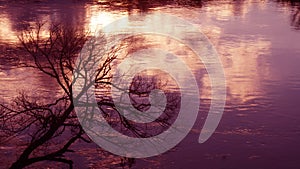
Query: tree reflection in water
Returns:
{"type": "Point", "coordinates": [295, 11]}
{"type": "Point", "coordinates": [49, 129]}
{"type": "Point", "coordinates": [295, 18]}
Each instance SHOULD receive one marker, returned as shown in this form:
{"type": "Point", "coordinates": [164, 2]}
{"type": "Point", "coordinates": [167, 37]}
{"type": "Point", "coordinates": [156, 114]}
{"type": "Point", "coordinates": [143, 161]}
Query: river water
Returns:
{"type": "Point", "coordinates": [258, 45]}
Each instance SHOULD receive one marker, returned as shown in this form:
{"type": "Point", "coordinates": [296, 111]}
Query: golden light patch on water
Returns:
{"type": "Point", "coordinates": [240, 56]}
{"type": "Point", "coordinates": [224, 12]}
{"type": "Point", "coordinates": [6, 31]}
{"type": "Point", "coordinates": [243, 58]}
{"type": "Point", "coordinates": [98, 18]}
{"type": "Point", "coordinates": [9, 35]}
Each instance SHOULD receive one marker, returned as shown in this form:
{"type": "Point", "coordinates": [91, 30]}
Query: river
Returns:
{"type": "Point", "coordinates": [258, 45]}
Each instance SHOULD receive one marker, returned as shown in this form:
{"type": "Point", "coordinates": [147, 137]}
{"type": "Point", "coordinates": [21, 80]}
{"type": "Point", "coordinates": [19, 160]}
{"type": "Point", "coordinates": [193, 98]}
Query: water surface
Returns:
{"type": "Point", "coordinates": [258, 44]}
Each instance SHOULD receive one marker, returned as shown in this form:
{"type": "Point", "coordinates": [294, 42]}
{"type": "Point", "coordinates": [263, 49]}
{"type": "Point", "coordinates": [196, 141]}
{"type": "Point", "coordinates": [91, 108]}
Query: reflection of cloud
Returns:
{"type": "Point", "coordinates": [242, 66]}
{"type": "Point", "coordinates": [241, 52]}
{"type": "Point", "coordinates": [224, 11]}
{"type": "Point", "coordinates": [99, 18]}
{"type": "Point", "coordinates": [243, 62]}
{"type": "Point", "coordinates": [6, 33]}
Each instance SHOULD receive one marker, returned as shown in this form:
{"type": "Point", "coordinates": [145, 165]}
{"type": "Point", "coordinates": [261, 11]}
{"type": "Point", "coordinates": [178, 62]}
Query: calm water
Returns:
{"type": "Point", "coordinates": [258, 44]}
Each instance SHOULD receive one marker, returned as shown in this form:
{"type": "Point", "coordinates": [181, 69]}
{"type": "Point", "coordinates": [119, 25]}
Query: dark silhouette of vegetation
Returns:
{"type": "Point", "coordinates": [49, 128]}
{"type": "Point", "coordinates": [295, 18]}
{"type": "Point", "coordinates": [290, 2]}
{"type": "Point", "coordinates": [295, 11]}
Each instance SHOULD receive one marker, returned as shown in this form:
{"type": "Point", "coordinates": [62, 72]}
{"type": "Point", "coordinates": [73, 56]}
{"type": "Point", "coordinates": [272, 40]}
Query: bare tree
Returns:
{"type": "Point", "coordinates": [54, 122]}
{"type": "Point", "coordinates": [51, 127]}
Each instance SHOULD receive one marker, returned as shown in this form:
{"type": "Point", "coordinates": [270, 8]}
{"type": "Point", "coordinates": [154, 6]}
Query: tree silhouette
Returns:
{"type": "Point", "coordinates": [50, 128]}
